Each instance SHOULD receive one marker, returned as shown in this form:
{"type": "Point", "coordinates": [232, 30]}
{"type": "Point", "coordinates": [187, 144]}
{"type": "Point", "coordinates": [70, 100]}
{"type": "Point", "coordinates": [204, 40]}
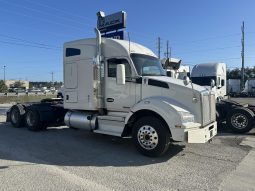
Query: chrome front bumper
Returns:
{"type": "Point", "coordinates": [202, 135]}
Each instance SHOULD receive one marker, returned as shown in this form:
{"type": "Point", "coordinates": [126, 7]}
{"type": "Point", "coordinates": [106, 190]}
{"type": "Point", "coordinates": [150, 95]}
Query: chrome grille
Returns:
{"type": "Point", "coordinates": [213, 107]}
{"type": "Point", "coordinates": [206, 108]}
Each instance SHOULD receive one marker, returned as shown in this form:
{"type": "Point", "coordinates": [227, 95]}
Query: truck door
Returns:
{"type": "Point", "coordinates": [71, 82]}
{"type": "Point", "coordinates": [118, 97]}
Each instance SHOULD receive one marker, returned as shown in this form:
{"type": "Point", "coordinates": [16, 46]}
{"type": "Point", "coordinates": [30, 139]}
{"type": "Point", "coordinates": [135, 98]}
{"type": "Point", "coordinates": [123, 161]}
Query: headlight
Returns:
{"type": "Point", "coordinates": [186, 117]}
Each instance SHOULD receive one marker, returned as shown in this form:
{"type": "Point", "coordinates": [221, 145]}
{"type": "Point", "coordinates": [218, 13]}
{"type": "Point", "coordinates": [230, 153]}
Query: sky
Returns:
{"type": "Point", "coordinates": [32, 32]}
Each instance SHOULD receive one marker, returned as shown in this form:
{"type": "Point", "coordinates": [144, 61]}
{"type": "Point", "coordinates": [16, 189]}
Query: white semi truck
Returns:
{"type": "Point", "coordinates": [208, 73]}
{"type": "Point", "coordinates": [238, 117]}
{"type": "Point", "coordinates": [119, 88]}
{"type": "Point", "coordinates": [174, 68]}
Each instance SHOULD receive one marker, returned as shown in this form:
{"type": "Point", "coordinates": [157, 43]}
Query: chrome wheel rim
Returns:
{"type": "Point", "coordinates": [239, 121]}
{"type": "Point", "coordinates": [15, 116]}
{"type": "Point", "coordinates": [147, 137]}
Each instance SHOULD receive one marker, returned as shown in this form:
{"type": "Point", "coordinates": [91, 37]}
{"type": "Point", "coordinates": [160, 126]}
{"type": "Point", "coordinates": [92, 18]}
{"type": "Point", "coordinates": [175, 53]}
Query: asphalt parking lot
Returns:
{"type": "Point", "coordinates": [68, 159]}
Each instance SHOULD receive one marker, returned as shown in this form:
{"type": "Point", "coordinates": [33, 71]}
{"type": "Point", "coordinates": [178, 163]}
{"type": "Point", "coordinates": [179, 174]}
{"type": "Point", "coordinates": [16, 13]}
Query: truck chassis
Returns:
{"type": "Point", "coordinates": [37, 116]}
{"type": "Point", "coordinates": [238, 117]}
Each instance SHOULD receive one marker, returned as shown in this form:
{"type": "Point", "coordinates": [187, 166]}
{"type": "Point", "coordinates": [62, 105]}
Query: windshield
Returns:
{"type": "Point", "coordinates": [147, 65]}
{"type": "Point", "coordinates": [203, 81]}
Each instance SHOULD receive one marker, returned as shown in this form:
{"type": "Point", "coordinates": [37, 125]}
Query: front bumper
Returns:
{"type": "Point", "coordinates": [201, 135]}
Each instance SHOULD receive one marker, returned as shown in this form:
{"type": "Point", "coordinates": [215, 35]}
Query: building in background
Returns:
{"type": "Point", "coordinates": [17, 84]}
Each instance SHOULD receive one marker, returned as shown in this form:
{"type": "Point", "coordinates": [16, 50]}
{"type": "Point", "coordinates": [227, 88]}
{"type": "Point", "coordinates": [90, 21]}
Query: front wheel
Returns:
{"type": "Point", "coordinates": [151, 136]}
{"type": "Point", "coordinates": [240, 120]}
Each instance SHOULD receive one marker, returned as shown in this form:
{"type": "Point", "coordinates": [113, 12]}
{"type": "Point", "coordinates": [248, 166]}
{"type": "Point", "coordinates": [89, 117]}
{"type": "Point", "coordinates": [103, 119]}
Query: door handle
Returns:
{"type": "Point", "coordinates": [110, 100]}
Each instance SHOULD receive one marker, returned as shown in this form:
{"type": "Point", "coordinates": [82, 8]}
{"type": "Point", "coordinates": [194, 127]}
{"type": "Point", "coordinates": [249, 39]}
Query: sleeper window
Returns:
{"type": "Point", "coordinates": [72, 52]}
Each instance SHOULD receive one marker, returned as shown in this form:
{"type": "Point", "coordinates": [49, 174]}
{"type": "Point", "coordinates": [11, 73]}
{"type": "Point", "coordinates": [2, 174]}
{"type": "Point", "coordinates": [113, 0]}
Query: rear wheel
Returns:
{"type": "Point", "coordinates": [33, 121]}
{"type": "Point", "coordinates": [151, 136]}
{"type": "Point", "coordinates": [240, 120]}
{"type": "Point", "coordinates": [17, 115]}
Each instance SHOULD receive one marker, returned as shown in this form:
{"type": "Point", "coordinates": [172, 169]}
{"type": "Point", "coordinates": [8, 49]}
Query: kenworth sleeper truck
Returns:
{"type": "Point", "coordinates": [119, 88]}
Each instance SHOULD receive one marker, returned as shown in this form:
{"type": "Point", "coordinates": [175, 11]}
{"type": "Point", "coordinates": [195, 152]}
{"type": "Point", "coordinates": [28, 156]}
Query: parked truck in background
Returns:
{"type": "Point", "coordinates": [119, 88]}
{"type": "Point", "coordinates": [208, 73]}
{"type": "Point", "coordinates": [174, 68]}
{"type": "Point", "coordinates": [249, 89]}
{"type": "Point", "coordinates": [234, 87]}
{"type": "Point", "coordinates": [239, 117]}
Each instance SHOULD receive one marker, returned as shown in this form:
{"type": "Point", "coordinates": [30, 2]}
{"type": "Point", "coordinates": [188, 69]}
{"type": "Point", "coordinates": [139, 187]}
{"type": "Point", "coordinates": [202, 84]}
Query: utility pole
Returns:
{"type": "Point", "coordinates": [159, 46]}
{"type": "Point", "coordinates": [4, 72]}
{"type": "Point", "coordinates": [52, 78]}
{"type": "Point", "coordinates": [167, 49]}
{"type": "Point", "coordinates": [242, 54]}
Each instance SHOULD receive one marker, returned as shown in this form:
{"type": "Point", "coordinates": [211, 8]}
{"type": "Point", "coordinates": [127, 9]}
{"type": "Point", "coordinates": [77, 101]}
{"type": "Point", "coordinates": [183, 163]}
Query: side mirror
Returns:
{"type": "Point", "coordinates": [212, 83]}
{"type": "Point", "coordinates": [121, 76]}
{"type": "Point", "coordinates": [186, 80]}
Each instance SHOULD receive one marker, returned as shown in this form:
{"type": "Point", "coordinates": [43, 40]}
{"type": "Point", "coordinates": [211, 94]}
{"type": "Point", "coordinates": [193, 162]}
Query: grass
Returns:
{"type": "Point", "coordinates": [24, 98]}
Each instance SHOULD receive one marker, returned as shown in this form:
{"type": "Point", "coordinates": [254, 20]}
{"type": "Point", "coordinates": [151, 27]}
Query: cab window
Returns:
{"type": "Point", "coordinates": [112, 67]}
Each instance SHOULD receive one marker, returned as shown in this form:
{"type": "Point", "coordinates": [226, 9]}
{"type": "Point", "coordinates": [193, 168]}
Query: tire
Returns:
{"type": "Point", "coordinates": [32, 120]}
{"type": "Point", "coordinates": [240, 120]}
{"type": "Point", "coordinates": [17, 113]}
{"type": "Point", "coordinates": [151, 136]}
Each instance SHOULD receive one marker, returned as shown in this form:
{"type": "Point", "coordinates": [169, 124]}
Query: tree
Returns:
{"type": "Point", "coordinates": [249, 73]}
{"type": "Point", "coordinates": [3, 87]}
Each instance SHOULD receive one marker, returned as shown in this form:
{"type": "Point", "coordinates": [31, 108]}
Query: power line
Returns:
{"type": "Point", "coordinates": [28, 41]}
{"type": "Point", "coordinates": [82, 17]}
{"type": "Point", "coordinates": [208, 38]}
{"type": "Point", "coordinates": [45, 20]}
{"type": "Point", "coordinates": [27, 45]}
{"type": "Point", "coordinates": [214, 60]}
{"type": "Point", "coordinates": [37, 29]}
{"type": "Point", "coordinates": [205, 50]}
{"type": "Point", "coordinates": [42, 12]}
{"type": "Point", "coordinates": [143, 35]}
{"type": "Point", "coordinates": [59, 10]}
{"type": "Point", "coordinates": [31, 61]}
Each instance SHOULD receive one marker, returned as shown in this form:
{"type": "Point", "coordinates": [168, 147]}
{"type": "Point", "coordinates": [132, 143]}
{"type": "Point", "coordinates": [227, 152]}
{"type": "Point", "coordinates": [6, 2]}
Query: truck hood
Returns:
{"type": "Point", "coordinates": [199, 101]}
{"type": "Point", "coordinates": [178, 82]}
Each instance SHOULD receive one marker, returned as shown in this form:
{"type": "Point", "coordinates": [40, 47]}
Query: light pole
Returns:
{"type": "Point", "coordinates": [4, 72]}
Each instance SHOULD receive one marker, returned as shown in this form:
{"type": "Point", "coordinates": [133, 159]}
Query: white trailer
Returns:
{"type": "Point", "coordinates": [251, 87]}
{"type": "Point", "coordinates": [119, 88]}
{"type": "Point", "coordinates": [234, 87]}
